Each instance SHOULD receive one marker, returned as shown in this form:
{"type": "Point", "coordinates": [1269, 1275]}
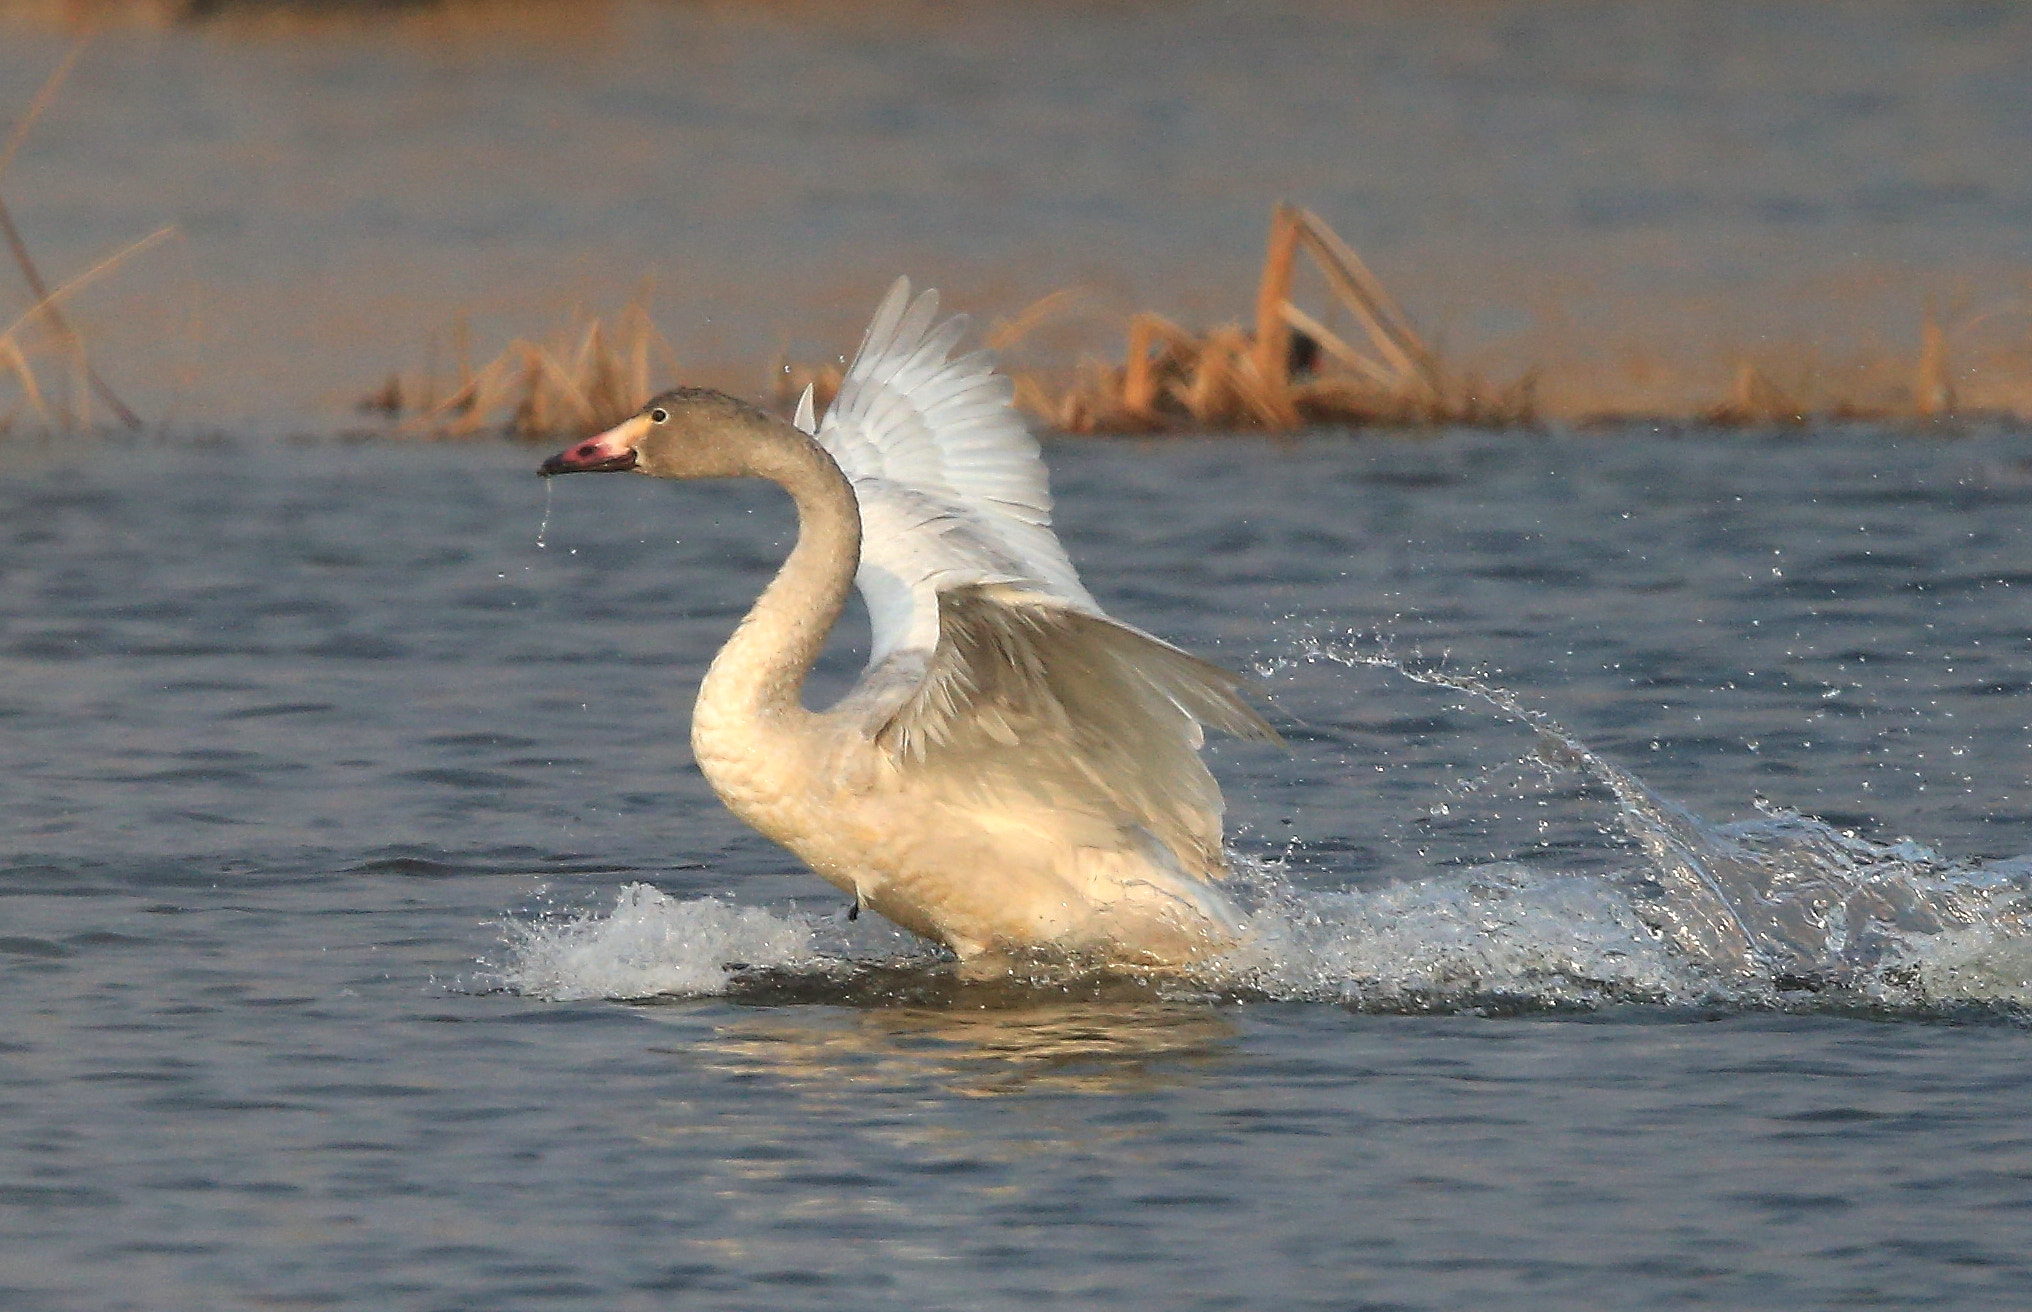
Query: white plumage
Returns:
{"type": "Point", "coordinates": [1015, 770]}
{"type": "Point", "coordinates": [951, 485]}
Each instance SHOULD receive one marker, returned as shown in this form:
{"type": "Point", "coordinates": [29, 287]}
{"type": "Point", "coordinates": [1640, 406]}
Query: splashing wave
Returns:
{"type": "Point", "coordinates": [1501, 937]}
{"type": "Point", "coordinates": [1781, 910]}
{"type": "Point", "coordinates": [650, 945]}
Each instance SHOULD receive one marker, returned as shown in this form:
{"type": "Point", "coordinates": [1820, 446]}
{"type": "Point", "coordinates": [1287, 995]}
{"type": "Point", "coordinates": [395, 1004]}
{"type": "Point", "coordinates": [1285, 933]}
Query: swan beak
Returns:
{"type": "Point", "coordinates": [611, 450]}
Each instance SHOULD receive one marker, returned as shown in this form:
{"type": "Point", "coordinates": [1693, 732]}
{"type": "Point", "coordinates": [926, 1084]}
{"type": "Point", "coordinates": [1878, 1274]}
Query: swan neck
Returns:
{"type": "Point", "coordinates": [761, 671]}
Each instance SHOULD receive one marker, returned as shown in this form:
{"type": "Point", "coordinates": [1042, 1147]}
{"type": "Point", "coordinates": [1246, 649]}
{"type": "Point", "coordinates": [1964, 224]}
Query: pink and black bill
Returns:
{"type": "Point", "coordinates": [610, 451]}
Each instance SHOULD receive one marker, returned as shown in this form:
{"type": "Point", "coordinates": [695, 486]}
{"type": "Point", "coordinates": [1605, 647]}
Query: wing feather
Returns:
{"type": "Point", "coordinates": [1025, 695]}
{"type": "Point", "coordinates": [992, 665]}
{"type": "Point", "coordinates": [909, 424]}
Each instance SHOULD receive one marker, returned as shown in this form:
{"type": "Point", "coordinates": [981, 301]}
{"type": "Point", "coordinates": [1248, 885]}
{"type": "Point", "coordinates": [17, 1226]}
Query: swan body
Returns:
{"type": "Point", "coordinates": [1015, 771]}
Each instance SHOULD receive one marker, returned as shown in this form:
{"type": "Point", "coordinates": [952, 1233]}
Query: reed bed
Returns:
{"type": "Point", "coordinates": [1363, 363]}
{"type": "Point", "coordinates": [1288, 370]}
{"type": "Point", "coordinates": [584, 377]}
{"type": "Point", "coordinates": [1355, 360]}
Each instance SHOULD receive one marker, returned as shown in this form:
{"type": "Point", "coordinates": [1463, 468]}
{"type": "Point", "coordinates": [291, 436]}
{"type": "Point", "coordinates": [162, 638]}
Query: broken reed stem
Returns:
{"type": "Point", "coordinates": [1009, 332]}
{"type": "Point", "coordinates": [1933, 389]}
{"type": "Point", "coordinates": [60, 327]}
{"type": "Point", "coordinates": [17, 364]}
{"type": "Point", "coordinates": [46, 309]}
{"type": "Point", "coordinates": [45, 300]}
{"type": "Point", "coordinates": [1141, 377]}
{"type": "Point", "coordinates": [1388, 326]}
{"type": "Point", "coordinates": [1272, 354]}
{"type": "Point", "coordinates": [1292, 369]}
{"type": "Point", "coordinates": [42, 101]}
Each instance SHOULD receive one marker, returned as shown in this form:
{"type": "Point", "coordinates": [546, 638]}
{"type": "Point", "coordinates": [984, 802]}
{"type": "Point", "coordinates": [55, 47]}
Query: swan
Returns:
{"type": "Point", "coordinates": [1015, 772]}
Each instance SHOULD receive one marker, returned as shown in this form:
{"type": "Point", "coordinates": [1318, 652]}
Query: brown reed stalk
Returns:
{"type": "Point", "coordinates": [1272, 353]}
{"type": "Point", "coordinates": [46, 301]}
{"type": "Point", "coordinates": [585, 377]}
{"type": "Point", "coordinates": [46, 310]}
{"type": "Point", "coordinates": [1933, 388]}
{"type": "Point", "coordinates": [1292, 369]}
{"type": "Point", "coordinates": [1414, 365]}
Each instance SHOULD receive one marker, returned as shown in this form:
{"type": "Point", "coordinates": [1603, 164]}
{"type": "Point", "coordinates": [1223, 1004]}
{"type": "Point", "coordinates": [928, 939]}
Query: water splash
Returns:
{"type": "Point", "coordinates": [1756, 912]}
{"type": "Point", "coordinates": [1500, 936]}
{"type": "Point", "coordinates": [543, 528]}
{"type": "Point", "coordinates": [1777, 911]}
{"type": "Point", "coordinates": [650, 945]}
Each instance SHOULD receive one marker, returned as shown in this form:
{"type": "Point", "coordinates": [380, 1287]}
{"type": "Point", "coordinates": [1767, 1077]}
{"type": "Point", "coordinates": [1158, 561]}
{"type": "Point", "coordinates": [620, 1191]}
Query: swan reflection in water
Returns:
{"type": "Point", "coordinates": [907, 1027]}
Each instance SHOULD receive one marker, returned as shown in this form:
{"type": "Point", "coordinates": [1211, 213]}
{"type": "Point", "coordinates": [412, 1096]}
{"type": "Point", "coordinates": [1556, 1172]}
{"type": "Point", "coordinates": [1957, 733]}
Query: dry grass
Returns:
{"type": "Point", "coordinates": [1364, 363]}
{"type": "Point", "coordinates": [585, 377]}
{"type": "Point", "coordinates": [42, 354]}
{"type": "Point", "coordinates": [1289, 370]}
{"type": "Point", "coordinates": [1359, 362]}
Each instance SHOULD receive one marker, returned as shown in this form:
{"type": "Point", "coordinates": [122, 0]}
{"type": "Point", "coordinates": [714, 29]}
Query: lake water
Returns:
{"type": "Point", "coordinates": [367, 940]}
{"type": "Point", "coordinates": [1638, 920]}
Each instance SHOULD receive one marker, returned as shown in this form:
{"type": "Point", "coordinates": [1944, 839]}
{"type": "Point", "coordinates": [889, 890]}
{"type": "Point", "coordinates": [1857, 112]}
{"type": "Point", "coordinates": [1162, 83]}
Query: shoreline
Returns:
{"type": "Point", "coordinates": [1328, 347]}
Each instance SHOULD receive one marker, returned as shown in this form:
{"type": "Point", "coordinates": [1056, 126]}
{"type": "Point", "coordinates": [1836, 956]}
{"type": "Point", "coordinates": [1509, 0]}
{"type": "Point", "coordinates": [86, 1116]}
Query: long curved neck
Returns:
{"type": "Point", "coordinates": [759, 675]}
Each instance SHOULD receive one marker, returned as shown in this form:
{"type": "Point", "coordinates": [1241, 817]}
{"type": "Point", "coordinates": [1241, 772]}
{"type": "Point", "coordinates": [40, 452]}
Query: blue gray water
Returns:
{"type": "Point", "coordinates": [366, 939]}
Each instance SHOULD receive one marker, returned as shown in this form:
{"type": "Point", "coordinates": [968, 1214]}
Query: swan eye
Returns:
{"type": "Point", "coordinates": [659, 415]}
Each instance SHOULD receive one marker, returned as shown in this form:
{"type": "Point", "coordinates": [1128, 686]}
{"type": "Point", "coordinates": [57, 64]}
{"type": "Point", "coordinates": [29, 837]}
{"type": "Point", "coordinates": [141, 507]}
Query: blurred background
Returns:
{"type": "Point", "coordinates": [1629, 203]}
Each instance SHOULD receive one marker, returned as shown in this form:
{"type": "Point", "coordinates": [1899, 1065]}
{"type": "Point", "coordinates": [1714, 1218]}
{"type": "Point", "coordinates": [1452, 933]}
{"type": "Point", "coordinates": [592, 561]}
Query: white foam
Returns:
{"type": "Point", "coordinates": [1498, 935]}
{"type": "Point", "coordinates": [1508, 935]}
{"type": "Point", "coordinates": [1496, 932]}
{"type": "Point", "coordinates": [650, 945]}
{"type": "Point", "coordinates": [1982, 965]}
{"type": "Point", "coordinates": [1779, 910]}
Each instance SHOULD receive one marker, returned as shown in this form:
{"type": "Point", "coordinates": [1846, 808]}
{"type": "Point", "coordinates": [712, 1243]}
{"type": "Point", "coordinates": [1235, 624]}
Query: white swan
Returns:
{"type": "Point", "coordinates": [1015, 771]}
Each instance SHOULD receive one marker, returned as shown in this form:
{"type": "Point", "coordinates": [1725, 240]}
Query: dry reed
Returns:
{"type": "Point", "coordinates": [583, 378]}
{"type": "Point", "coordinates": [43, 329]}
{"type": "Point", "coordinates": [1361, 362]}
{"type": "Point", "coordinates": [1289, 369]}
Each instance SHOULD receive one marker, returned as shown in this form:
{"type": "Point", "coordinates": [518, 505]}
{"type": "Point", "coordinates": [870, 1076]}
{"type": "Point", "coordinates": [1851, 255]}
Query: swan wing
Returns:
{"type": "Point", "coordinates": [951, 485]}
{"type": "Point", "coordinates": [993, 670]}
{"type": "Point", "coordinates": [1025, 695]}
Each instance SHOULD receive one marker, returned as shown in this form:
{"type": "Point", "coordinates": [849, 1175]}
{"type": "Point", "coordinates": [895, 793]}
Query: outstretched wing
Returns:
{"type": "Point", "coordinates": [951, 485]}
{"type": "Point", "coordinates": [991, 663]}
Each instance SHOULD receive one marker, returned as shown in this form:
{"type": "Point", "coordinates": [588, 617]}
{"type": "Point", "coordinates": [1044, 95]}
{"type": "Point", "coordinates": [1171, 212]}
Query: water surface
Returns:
{"type": "Point", "coordinates": [365, 931]}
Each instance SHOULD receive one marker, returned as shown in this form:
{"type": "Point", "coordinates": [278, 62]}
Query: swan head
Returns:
{"type": "Point", "coordinates": [688, 432]}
